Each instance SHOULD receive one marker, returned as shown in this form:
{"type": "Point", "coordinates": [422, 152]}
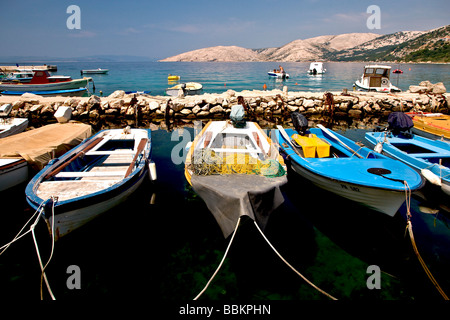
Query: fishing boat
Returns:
{"type": "Point", "coordinates": [27, 152]}
{"type": "Point", "coordinates": [43, 81]}
{"type": "Point", "coordinates": [95, 71]}
{"type": "Point", "coordinates": [188, 88]}
{"type": "Point", "coordinates": [237, 171]}
{"type": "Point", "coordinates": [91, 178]}
{"type": "Point", "coordinates": [10, 126]}
{"type": "Point", "coordinates": [338, 165]}
{"type": "Point", "coordinates": [79, 92]}
{"type": "Point", "coordinates": [19, 77]}
{"type": "Point", "coordinates": [429, 157]}
{"type": "Point", "coordinates": [376, 78]}
{"type": "Point", "coordinates": [435, 125]}
{"type": "Point", "coordinates": [316, 68]}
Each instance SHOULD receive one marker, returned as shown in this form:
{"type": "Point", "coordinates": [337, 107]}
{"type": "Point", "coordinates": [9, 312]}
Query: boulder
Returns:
{"type": "Point", "coordinates": [438, 88]}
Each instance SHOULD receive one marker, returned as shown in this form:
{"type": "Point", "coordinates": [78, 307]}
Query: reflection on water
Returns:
{"type": "Point", "coordinates": [169, 250]}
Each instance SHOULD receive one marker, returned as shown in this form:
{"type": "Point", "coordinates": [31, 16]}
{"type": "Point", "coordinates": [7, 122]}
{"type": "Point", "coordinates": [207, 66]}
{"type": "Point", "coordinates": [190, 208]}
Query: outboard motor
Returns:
{"type": "Point", "coordinates": [237, 116]}
{"type": "Point", "coordinates": [399, 122]}
{"type": "Point", "coordinates": [300, 122]}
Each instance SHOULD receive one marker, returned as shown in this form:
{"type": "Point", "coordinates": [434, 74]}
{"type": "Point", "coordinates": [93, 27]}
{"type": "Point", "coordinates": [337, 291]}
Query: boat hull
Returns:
{"type": "Point", "coordinates": [12, 126]}
{"type": "Point", "coordinates": [101, 179]}
{"type": "Point", "coordinates": [63, 93]}
{"type": "Point", "coordinates": [65, 85]}
{"type": "Point", "coordinates": [278, 75]}
{"type": "Point", "coordinates": [12, 173]}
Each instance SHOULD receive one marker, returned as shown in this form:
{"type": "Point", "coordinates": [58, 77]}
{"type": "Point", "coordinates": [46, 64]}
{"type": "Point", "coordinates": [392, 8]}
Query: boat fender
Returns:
{"type": "Point", "coordinates": [431, 177]}
{"type": "Point", "coordinates": [152, 171]}
{"type": "Point", "coordinates": [188, 146]}
{"type": "Point", "coordinates": [379, 147]}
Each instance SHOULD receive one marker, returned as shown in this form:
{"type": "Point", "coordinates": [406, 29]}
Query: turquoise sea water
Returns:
{"type": "Point", "coordinates": [168, 250]}
{"type": "Point", "coordinates": [217, 77]}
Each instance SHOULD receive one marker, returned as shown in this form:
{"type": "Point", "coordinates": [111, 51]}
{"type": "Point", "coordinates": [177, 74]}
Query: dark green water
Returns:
{"type": "Point", "coordinates": [168, 250]}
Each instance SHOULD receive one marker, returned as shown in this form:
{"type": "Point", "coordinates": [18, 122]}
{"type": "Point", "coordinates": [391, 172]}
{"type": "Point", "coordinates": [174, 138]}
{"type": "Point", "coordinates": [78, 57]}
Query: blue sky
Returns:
{"type": "Point", "coordinates": [158, 29]}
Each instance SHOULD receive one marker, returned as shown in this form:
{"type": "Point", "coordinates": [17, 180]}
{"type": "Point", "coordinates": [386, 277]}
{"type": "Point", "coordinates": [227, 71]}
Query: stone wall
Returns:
{"type": "Point", "coordinates": [218, 106]}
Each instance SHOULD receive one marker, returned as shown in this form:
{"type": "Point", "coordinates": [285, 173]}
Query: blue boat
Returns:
{"type": "Point", "coordinates": [338, 165]}
{"type": "Point", "coordinates": [91, 178]}
{"type": "Point", "coordinates": [67, 92]}
{"type": "Point", "coordinates": [430, 157]}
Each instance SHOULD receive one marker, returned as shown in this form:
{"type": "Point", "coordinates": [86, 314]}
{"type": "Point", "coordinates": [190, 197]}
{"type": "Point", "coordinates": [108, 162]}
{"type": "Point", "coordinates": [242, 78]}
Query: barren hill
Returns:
{"type": "Point", "coordinates": [217, 54]}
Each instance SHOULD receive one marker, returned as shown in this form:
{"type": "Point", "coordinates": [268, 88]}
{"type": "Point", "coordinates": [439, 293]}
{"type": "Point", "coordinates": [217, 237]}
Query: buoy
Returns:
{"type": "Point", "coordinates": [431, 177]}
{"type": "Point", "coordinates": [224, 84]}
{"type": "Point", "coordinates": [379, 147]}
{"type": "Point", "coordinates": [296, 84]}
{"type": "Point", "coordinates": [152, 171]}
{"type": "Point", "coordinates": [264, 87]}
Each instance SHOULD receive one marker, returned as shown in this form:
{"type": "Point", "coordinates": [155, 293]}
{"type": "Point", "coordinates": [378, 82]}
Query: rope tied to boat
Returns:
{"type": "Point", "coordinates": [36, 216]}
{"type": "Point", "coordinates": [409, 228]}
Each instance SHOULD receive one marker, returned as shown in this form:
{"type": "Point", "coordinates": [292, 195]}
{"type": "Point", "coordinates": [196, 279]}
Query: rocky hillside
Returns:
{"type": "Point", "coordinates": [418, 46]}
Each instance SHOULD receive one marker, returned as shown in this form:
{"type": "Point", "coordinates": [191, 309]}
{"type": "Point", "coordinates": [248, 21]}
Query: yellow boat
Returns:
{"type": "Point", "coordinates": [173, 78]}
{"type": "Point", "coordinates": [437, 124]}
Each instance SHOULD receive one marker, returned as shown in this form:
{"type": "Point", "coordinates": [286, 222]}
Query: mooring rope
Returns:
{"type": "Point", "coordinates": [221, 262]}
{"type": "Point", "coordinates": [293, 269]}
{"type": "Point", "coordinates": [19, 235]}
{"type": "Point", "coordinates": [413, 242]}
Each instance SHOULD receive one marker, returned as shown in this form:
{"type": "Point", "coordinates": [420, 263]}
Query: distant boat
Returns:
{"type": "Point", "coordinates": [316, 68]}
{"type": "Point", "coordinates": [397, 71]}
{"type": "Point", "coordinates": [173, 77]}
{"type": "Point", "coordinates": [43, 81]}
{"type": "Point", "coordinates": [90, 179]}
{"type": "Point", "coordinates": [189, 88]}
{"type": "Point", "coordinates": [53, 93]}
{"type": "Point", "coordinates": [376, 78]}
{"type": "Point", "coordinates": [95, 71]}
{"type": "Point", "coordinates": [278, 75]}
{"type": "Point", "coordinates": [340, 166]}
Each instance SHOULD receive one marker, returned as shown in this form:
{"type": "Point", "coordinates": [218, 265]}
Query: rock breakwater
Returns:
{"type": "Point", "coordinates": [119, 106]}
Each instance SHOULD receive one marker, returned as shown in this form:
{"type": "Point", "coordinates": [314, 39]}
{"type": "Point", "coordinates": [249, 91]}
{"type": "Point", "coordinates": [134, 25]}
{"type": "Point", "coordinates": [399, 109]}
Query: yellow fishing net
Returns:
{"type": "Point", "coordinates": [207, 162]}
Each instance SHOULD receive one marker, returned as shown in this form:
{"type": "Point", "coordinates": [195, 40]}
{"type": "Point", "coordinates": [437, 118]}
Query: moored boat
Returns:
{"type": "Point", "coordinates": [43, 81]}
{"type": "Point", "coordinates": [429, 157]}
{"type": "Point", "coordinates": [188, 88]}
{"type": "Point", "coordinates": [50, 93]}
{"type": "Point", "coordinates": [90, 179]}
{"type": "Point", "coordinates": [340, 166]}
{"type": "Point", "coordinates": [94, 71]}
{"type": "Point", "coordinates": [278, 73]}
{"type": "Point", "coordinates": [437, 125]}
{"type": "Point", "coordinates": [237, 171]}
{"type": "Point", "coordinates": [10, 126]}
{"type": "Point", "coordinates": [13, 171]}
{"type": "Point", "coordinates": [316, 68]}
{"type": "Point", "coordinates": [376, 78]}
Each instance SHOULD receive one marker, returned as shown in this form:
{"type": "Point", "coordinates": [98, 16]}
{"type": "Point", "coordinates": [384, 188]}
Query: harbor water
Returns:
{"type": "Point", "coordinates": [164, 244]}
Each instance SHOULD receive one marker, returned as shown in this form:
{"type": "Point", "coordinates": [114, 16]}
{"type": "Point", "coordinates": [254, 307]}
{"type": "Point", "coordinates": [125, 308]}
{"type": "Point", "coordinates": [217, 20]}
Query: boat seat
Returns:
{"type": "Point", "coordinates": [67, 174]}
{"type": "Point", "coordinates": [113, 152]}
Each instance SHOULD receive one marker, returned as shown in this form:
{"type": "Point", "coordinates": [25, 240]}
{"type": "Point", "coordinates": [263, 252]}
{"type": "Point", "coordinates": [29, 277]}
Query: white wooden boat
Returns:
{"type": "Point", "coordinates": [246, 168]}
{"type": "Point", "coordinates": [91, 179]}
{"type": "Point", "coordinates": [188, 88]}
{"type": "Point", "coordinates": [10, 126]}
{"type": "Point", "coordinates": [278, 75]}
{"type": "Point", "coordinates": [376, 78]}
{"type": "Point", "coordinates": [13, 171]}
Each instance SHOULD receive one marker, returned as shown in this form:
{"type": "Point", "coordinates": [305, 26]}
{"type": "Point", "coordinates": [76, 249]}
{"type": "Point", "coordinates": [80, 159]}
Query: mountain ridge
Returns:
{"type": "Point", "coordinates": [398, 46]}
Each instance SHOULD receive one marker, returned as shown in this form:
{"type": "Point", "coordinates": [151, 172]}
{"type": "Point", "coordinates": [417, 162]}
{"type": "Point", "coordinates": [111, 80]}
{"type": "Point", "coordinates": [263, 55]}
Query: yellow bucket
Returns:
{"type": "Point", "coordinates": [312, 145]}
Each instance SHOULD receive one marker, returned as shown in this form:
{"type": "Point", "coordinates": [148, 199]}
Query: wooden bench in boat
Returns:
{"type": "Point", "coordinates": [76, 174]}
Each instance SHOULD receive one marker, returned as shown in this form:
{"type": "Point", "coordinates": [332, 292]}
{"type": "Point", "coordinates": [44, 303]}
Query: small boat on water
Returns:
{"type": "Point", "coordinates": [91, 178]}
{"type": "Point", "coordinates": [236, 170]}
{"type": "Point", "coordinates": [188, 88]}
{"type": "Point", "coordinates": [278, 74]}
{"type": "Point", "coordinates": [50, 93]}
{"type": "Point", "coordinates": [316, 68]}
{"type": "Point", "coordinates": [30, 151]}
{"type": "Point", "coordinates": [173, 77]}
{"type": "Point", "coordinates": [436, 125]}
{"type": "Point", "coordinates": [338, 165]}
{"type": "Point", "coordinates": [43, 81]}
{"type": "Point", "coordinates": [430, 157]}
{"type": "Point", "coordinates": [399, 71]}
{"type": "Point", "coordinates": [376, 78]}
{"type": "Point", "coordinates": [95, 71]}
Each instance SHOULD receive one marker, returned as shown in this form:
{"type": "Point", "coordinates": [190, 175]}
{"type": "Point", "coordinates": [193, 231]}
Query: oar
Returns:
{"type": "Point", "coordinates": [286, 137]}
{"type": "Point", "coordinates": [140, 147]}
{"type": "Point", "coordinates": [331, 134]}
